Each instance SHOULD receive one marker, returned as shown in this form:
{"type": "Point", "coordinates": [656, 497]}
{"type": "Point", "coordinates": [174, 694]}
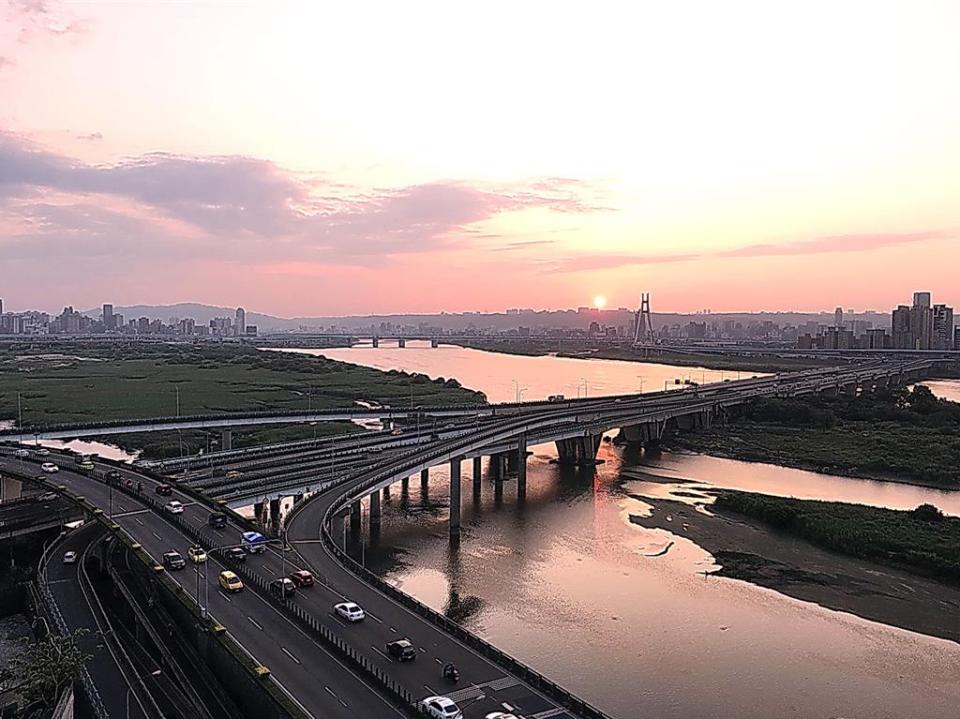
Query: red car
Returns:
{"type": "Point", "coordinates": [302, 578]}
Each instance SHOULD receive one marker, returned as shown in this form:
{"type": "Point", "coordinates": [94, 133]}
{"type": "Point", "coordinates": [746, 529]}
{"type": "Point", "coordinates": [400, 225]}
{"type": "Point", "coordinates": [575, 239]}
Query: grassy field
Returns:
{"type": "Point", "coordinates": [897, 435]}
{"type": "Point", "coordinates": [94, 382]}
{"type": "Point", "coordinates": [921, 541]}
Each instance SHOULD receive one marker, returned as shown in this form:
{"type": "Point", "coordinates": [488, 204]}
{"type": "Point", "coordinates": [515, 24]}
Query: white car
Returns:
{"type": "Point", "coordinates": [22, 453]}
{"type": "Point", "coordinates": [440, 708]}
{"type": "Point", "coordinates": [174, 507]}
{"type": "Point", "coordinates": [349, 611]}
{"type": "Point", "coordinates": [501, 715]}
{"type": "Point", "coordinates": [49, 467]}
{"type": "Point", "coordinates": [69, 557]}
{"type": "Point", "coordinates": [42, 452]}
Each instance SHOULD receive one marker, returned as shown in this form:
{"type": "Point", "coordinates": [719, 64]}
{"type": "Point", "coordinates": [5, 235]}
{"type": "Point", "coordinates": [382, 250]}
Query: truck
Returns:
{"type": "Point", "coordinates": [253, 542]}
{"type": "Point", "coordinates": [556, 398]}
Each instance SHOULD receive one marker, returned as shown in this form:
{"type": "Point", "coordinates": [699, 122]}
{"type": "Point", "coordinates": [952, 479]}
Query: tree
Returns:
{"type": "Point", "coordinates": [46, 668]}
{"type": "Point", "coordinates": [928, 513]}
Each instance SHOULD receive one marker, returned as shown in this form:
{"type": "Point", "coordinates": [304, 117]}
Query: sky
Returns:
{"type": "Point", "coordinates": [339, 158]}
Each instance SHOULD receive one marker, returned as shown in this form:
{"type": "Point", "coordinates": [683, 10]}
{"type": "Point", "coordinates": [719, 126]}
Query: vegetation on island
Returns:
{"type": "Point", "coordinates": [576, 349]}
{"type": "Point", "coordinates": [895, 434]}
{"type": "Point", "coordinates": [96, 381]}
{"type": "Point", "coordinates": [922, 540]}
{"type": "Point", "coordinates": [40, 673]}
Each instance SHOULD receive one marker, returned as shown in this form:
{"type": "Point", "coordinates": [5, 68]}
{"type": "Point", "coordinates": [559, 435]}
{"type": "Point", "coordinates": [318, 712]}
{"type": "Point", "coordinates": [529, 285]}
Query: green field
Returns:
{"type": "Point", "coordinates": [895, 434]}
{"type": "Point", "coordinates": [922, 541]}
{"type": "Point", "coordinates": [74, 382]}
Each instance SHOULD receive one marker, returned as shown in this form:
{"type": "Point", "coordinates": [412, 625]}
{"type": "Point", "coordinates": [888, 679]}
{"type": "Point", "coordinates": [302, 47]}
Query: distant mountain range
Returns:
{"type": "Point", "coordinates": [569, 319]}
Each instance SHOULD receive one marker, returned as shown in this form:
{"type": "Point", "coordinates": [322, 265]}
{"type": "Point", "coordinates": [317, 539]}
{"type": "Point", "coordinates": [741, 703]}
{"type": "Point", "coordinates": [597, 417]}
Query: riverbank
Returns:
{"type": "Point", "coordinates": [890, 435]}
{"type": "Point", "coordinates": [733, 363]}
{"type": "Point", "coordinates": [87, 382]}
{"type": "Point", "coordinates": [750, 550]}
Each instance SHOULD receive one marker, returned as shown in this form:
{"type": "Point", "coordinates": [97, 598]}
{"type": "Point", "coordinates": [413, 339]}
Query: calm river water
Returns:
{"type": "Point", "coordinates": [569, 585]}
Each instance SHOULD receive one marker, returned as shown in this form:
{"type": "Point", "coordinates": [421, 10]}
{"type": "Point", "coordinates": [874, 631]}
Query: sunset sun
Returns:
{"type": "Point", "coordinates": [599, 302]}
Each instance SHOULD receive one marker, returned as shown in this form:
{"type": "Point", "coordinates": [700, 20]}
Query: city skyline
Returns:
{"type": "Point", "coordinates": [704, 163]}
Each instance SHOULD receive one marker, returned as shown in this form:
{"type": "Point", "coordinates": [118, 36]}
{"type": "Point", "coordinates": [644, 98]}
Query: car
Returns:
{"type": "Point", "coordinates": [129, 483]}
{"type": "Point", "coordinates": [302, 578]}
{"type": "Point", "coordinates": [396, 432]}
{"type": "Point", "coordinates": [49, 467]}
{"type": "Point", "coordinates": [235, 554]}
{"type": "Point", "coordinates": [349, 611]}
{"type": "Point", "coordinates": [197, 554]}
{"type": "Point", "coordinates": [173, 507]}
{"type": "Point", "coordinates": [86, 466]}
{"type": "Point", "coordinates": [47, 497]}
{"type": "Point", "coordinates": [282, 586]}
{"type": "Point", "coordinates": [217, 520]}
{"type": "Point", "coordinates": [230, 581]}
{"type": "Point", "coordinates": [174, 560]}
{"type": "Point", "coordinates": [112, 477]}
{"type": "Point", "coordinates": [69, 557]}
{"type": "Point", "coordinates": [164, 490]}
{"type": "Point", "coordinates": [42, 452]}
{"type": "Point", "coordinates": [402, 650]}
{"type": "Point", "coordinates": [501, 715]}
{"type": "Point", "coordinates": [233, 474]}
{"type": "Point", "coordinates": [440, 708]}
{"type": "Point", "coordinates": [22, 453]}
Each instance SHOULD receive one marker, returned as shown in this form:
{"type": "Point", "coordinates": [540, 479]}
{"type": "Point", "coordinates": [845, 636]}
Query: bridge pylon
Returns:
{"type": "Point", "coordinates": [643, 326]}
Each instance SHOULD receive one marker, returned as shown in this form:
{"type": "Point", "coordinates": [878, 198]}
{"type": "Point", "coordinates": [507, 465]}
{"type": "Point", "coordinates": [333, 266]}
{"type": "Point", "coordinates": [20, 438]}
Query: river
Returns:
{"type": "Point", "coordinates": [626, 616]}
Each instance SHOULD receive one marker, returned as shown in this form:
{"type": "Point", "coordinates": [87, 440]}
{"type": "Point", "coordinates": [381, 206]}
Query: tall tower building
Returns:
{"type": "Point", "coordinates": [838, 317]}
{"type": "Point", "coordinates": [240, 325]}
{"type": "Point", "coordinates": [108, 318]}
{"type": "Point", "coordinates": [921, 299]}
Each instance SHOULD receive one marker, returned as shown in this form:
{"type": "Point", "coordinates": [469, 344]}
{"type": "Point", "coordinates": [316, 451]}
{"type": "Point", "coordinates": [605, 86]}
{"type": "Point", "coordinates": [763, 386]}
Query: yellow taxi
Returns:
{"type": "Point", "coordinates": [230, 582]}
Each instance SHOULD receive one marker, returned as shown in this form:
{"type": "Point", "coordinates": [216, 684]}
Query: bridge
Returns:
{"type": "Point", "coordinates": [348, 675]}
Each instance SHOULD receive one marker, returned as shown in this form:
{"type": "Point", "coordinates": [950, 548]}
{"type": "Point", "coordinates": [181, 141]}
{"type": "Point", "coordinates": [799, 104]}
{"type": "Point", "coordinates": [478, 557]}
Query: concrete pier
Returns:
{"type": "Point", "coordinates": [455, 497]}
{"type": "Point", "coordinates": [521, 456]}
{"type": "Point", "coordinates": [477, 474]}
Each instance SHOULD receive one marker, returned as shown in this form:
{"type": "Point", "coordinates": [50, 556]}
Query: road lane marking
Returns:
{"type": "Point", "coordinates": [381, 654]}
{"type": "Point", "coordinates": [288, 653]}
{"type": "Point", "coordinates": [157, 536]}
{"type": "Point", "coordinates": [254, 623]}
{"type": "Point", "coordinates": [140, 522]}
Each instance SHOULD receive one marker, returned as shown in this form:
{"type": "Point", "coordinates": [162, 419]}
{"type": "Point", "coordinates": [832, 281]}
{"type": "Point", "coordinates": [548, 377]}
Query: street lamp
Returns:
{"type": "Point", "coordinates": [140, 678]}
{"type": "Point", "coordinates": [640, 377]}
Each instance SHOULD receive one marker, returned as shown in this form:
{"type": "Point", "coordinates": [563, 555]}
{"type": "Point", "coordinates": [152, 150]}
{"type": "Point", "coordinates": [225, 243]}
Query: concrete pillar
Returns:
{"type": "Point", "coordinates": [434, 343]}
{"type": "Point", "coordinates": [259, 511]}
{"type": "Point", "coordinates": [376, 341]}
{"type": "Point", "coordinates": [297, 498]}
{"type": "Point", "coordinates": [404, 484]}
{"type": "Point", "coordinates": [401, 342]}
{"type": "Point", "coordinates": [355, 518]}
{"type": "Point", "coordinates": [275, 512]}
{"type": "Point", "coordinates": [226, 439]}
{"type": "Point", "coordinates": [375, 507]}
{"type": "Point", "coordinates": [522, 468]}
{"type": "Point", "coordinates": [477, 473]}
{"type": "Point", "coordinates": [455, 497]}
{"type": "Point", "coordinates": [424, 480]}
{"type": "Point", "coordinates": [386, 493]}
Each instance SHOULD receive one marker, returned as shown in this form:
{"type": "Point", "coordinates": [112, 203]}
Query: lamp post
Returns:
{"type": "Point", "coordinates": [156, 673]}
{"type": "Point", "coordinates": [640, 377]}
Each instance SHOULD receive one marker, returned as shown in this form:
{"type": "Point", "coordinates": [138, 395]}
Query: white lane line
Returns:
{"type": "Point", "coordinates": [381, 654]}
{"type": "Point", "coordinates": [220, 592]}
{"type": "Point", "coordinates": [287, 652]}
{"type": "Point", "coordinates": [139, 521]}
{"type": "Point", "coordinates": [254, 623]}
{"type": "Point", "coordinates": [157, 536]}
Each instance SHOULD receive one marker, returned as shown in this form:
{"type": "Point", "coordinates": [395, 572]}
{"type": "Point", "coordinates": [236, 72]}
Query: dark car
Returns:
{"type": "Point", "coordinates": [302, 578]}
{"type": "Point", "coordinates": [402, 650]}
{"type": "Point", "coordinates": [112, 477]}
{"type": "Point", "coordinates": [282, 586]}
{"type": "Point", "coordinates": [174, 560]}
{"type": "Point", "coordinates": [164, 490]}
{"type": "Point", "coordinates": [217, 520]}
{"type": "Point", "coordinates": [235, 554]}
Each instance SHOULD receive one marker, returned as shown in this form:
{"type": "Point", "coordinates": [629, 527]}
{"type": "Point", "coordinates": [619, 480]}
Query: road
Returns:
{"type": "Point", "coordinates": [319, 681]}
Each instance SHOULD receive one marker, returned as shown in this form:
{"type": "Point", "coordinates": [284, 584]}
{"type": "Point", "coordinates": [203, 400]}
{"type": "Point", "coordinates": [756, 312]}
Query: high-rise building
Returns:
{"type": "Point", "coordinates": [240, 326]}
{"type": "Point", "coordinates": [1, 305]}
{"type": "Point", "coordinates": [902, 339]}
{"type": "Point", "coordinates": [942, 328]}
{"type": "Point", "coordinates": [838, 318]}
{"type": "Point", "coordinates": [108, 317]}
{"type": "Point", "coordinates": [921, 299]}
